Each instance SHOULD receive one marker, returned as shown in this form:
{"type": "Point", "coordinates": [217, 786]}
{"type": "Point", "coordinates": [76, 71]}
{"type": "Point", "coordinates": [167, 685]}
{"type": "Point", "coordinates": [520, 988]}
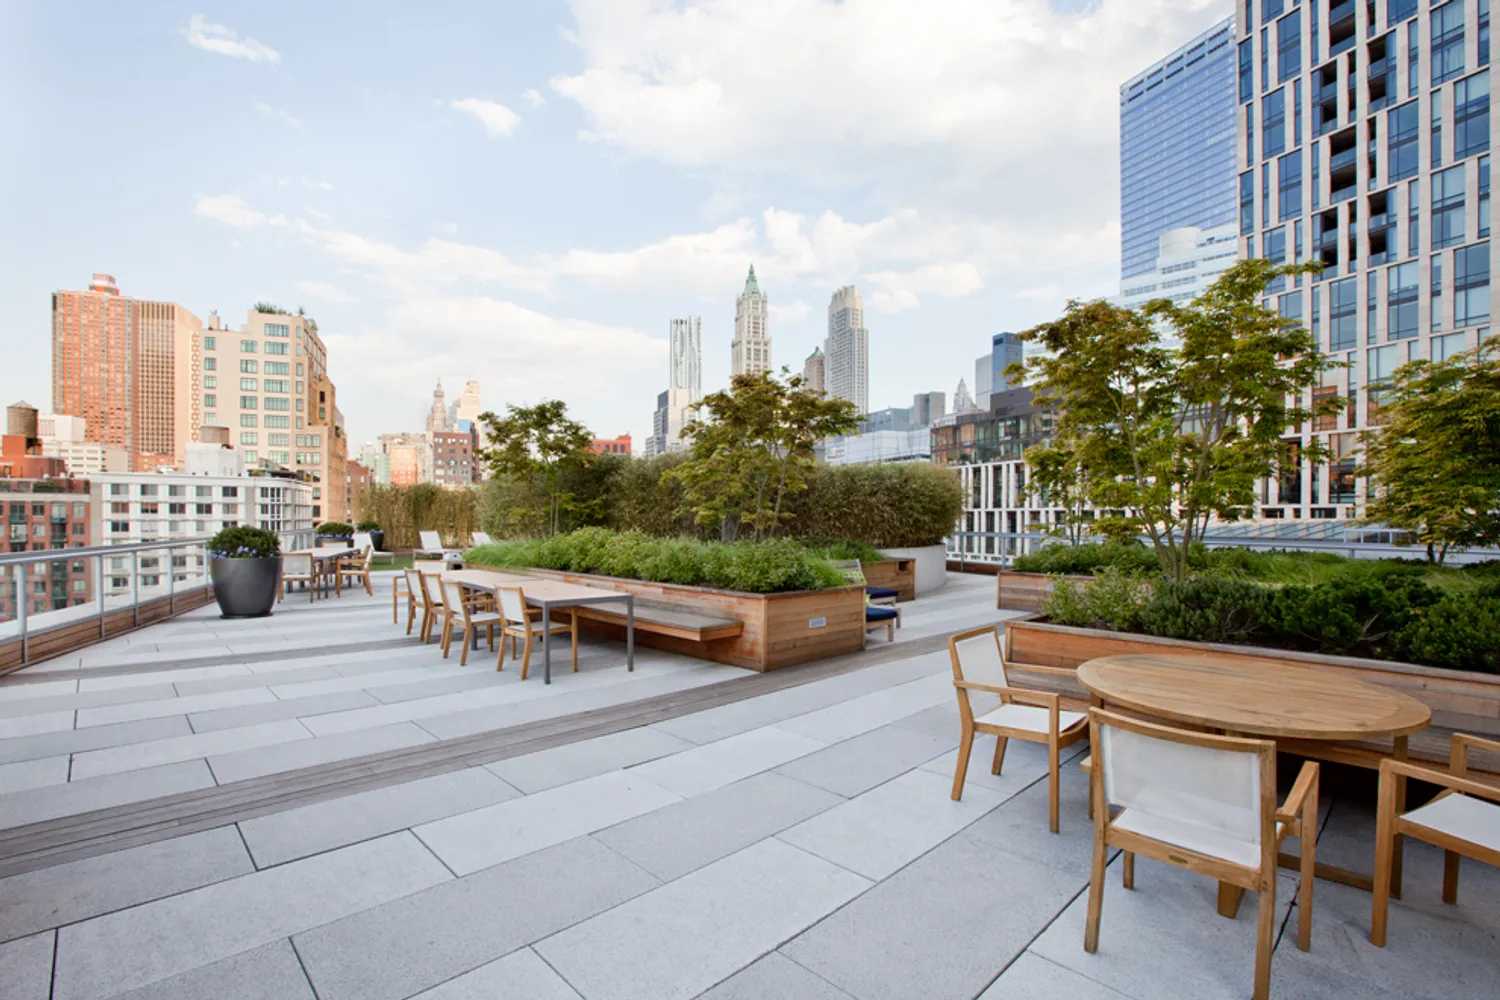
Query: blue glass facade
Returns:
{"type": "Point", "coordinates": [1177, 146]}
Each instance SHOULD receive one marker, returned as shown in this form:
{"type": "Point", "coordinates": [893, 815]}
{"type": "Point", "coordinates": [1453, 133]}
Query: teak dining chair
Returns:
{"type": "Point", "coordinates": [297, 568]}
{"type": "Point", "coordinates": [467, 612]}
{"type": "Point", "coordinates": [413, 594]}
{"type": "Point", "coordinates": [519, 625]}
{"type": "Point", "coordinates": [429, 587]}
{"type": "Point", "coordinates": [357, 567]}
{"type": "Point", "coordinates": [987, 703]}
{"type": "Point", "coordinates": [1205, 803]}
{"type": "Point", "coordinates": [1464, 820]}
{"type": "Point", "coordinates": [401, 587]}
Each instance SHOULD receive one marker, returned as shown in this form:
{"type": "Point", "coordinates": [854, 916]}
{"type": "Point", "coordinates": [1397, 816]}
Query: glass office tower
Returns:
{"type": "Point", "coordinates": [1364, 142]}
{"type": "Point", "coordinates": [1177, 146]}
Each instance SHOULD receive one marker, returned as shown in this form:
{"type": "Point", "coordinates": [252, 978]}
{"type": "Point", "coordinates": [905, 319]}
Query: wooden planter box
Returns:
{"type": "Point", "coordinates": [780, 630]}
{"type": "Point", "coordinates": [1016, 591]}
{"type": "Point", "coordinates": [1046, 656]}
{"type": "Point", "coordinates": [899, 574]}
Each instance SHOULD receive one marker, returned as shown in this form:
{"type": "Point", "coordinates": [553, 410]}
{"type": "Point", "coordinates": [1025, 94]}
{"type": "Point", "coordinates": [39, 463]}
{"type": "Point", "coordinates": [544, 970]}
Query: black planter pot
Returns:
{"type": "Point", "coordinates": [245, 588]}
{"type": "Point", "coordinates": [377, 539]}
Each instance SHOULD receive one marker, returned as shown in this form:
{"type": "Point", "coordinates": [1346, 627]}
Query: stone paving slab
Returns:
{"type": "Point", "coordinates": [521, 974]}
{"type": "Point", "coordinates": [944, 926]}
{"type": "Point", "coordinates": [174, 705]}
{"type": "Point", "coordinates": [775, 975]}
{"type": "Point", "coordinates": [297, 833]}
{"type": "Point", "coordinates": [714, 765]}
{"type": "Point", "coordinates": [1031, 977]}
{"type": "Point", "coordinates": [32, 725]}
{"type": "Point", "coordinates": [54, 801]}
{"type": "Point", "coordinates": [535, 772]}
{"type": "Point", "coordinates": [139, 946]}
{"type": "Point", "coordinates": [139, 755]}
{"type": "Point", "coordinates": [498, 833]}
{"type": "Point", "coordinates": [679, 838]}
{"type": "Point", "coordinates": [291, 754]}
{"type": "Point", "coordinates": [38, 773]}
{"type": "Point", "coordinates": [270, 972]}
{"type": "Point", "coordinates": [65, 894]}
{"type": "Point", "coordinates": [26, 967]}
{"type": "Point", "coordinates": [11, 705]}
{"type": "Point", "coordinates": [394, 950]}
{"type": "Point", "coordinates": [297, 708]}
{"type": "Point", "coordinates": [878, 832]}
{"type": "Point", "coordinates": [859, 764]}
{"type": "Point", "coordinates": [674, 942]}
{"type": "Point", "coordinates": [72, 741]}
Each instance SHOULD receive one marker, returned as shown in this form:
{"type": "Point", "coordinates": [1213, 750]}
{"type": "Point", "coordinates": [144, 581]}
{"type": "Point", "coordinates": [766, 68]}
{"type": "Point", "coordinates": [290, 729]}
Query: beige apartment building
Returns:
{"type": "Point", "coordinates": [268, 384]}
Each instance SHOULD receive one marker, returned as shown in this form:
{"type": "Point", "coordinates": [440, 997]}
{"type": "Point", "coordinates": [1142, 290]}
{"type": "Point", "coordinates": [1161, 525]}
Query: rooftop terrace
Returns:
{"type": "Point", "coordinates": [314, 804]}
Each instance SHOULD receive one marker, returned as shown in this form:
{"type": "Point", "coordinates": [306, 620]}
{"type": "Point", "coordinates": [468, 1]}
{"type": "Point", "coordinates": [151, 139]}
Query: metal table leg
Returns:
{"type": "Point", "coordinates": [630, 632]}
{"type": "Point", "coordinates": [546, 643]}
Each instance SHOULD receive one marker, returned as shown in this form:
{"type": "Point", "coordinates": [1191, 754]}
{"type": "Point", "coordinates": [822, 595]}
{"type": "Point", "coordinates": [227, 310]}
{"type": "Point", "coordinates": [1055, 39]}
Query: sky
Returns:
{"type": "Point", "coordinates": [526, 192]}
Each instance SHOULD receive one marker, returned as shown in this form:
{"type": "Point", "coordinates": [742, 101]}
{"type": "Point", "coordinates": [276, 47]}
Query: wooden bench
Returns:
{"type": "Point", "coordinates": [665, 619]}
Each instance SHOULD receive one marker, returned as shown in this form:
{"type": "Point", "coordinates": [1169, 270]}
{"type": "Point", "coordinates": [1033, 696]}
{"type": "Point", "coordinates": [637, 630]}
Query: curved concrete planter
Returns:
{"type": "Point", "coordinates": [245, 588]}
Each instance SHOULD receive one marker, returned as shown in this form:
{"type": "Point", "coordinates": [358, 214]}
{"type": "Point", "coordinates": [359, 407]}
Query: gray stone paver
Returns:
{"type": "Point", "coordinates": [800, 844]}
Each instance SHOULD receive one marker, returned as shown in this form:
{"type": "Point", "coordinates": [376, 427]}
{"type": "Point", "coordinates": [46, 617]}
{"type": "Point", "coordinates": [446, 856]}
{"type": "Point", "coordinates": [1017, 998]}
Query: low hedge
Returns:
{"type": "Point", "coordinates": [756, 567]}
{"type": "Point", "coordinates": [1398, 617]}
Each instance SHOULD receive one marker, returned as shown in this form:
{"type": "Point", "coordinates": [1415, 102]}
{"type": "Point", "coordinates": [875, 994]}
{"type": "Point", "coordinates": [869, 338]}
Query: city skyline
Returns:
{"type": "Point", "coordinates": [608, 222]}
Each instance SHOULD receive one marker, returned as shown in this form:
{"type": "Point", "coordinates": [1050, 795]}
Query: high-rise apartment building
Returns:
{"type": "Point", "coordinates": [1188, 261]}
{"type": "Point", "coordinates": [673, 412]}
{"type": "Point", "coordinates": [468, 407]}
{"type": "Point", "coordinates": [750, 352]}
{"type": "Point", "coordinates": [1006, 349]}
{"type": "Point", "coordinates": [1364, 143]}
{"type": "Point", "coordinates": [1177, 144]}
{"type": "Point", "coordinates": [984, 375]}
{"type": "Point", "coordinates": [815, 371]}
{"type": "Point", "coordinates": [847, 349]}
{"type": "Point", "coordinates": [268, 384]}
{"type": "Point", "coordinates": [129, 368]}
{"type": "Point", "coordinates": [927, 407]}
{"type": "Point", "coordinates": [452, 458]}
{"type": "Point", "coordinates": [686, 356]}
{"type": "Point", "coordinates": [66, 438]}
{"type": "Point", "coordinates": [437, 416]}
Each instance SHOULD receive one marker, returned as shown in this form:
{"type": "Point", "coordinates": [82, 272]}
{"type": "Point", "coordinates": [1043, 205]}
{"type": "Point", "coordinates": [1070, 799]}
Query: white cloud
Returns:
{"type": "Point", "coordinates": [327, 291]}
{"type": "Point", "coordinates": [232, 210]}
{"type": "Point", "coordinates": [217, 38]}
{"type": "Point", "coordinates": [496, 118]}
{"type": "Point", "coordinates": [898, 291]}
{"type": "Point", "coordinates": [290, 119]}
{"type": "Point", "coordinates": [1049, 292]}
{"type": "Point", "coordinates": [533, 98]}
{"type": "Point", "coordinates": [790, 312]}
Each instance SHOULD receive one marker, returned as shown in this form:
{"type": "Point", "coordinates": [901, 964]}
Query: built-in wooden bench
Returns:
{"type": "Point", "coordinates": [664, 619]}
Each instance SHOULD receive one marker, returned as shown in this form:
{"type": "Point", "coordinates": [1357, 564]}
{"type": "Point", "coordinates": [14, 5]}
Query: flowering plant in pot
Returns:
{"type": "Point", "coordinates": [244, 564]}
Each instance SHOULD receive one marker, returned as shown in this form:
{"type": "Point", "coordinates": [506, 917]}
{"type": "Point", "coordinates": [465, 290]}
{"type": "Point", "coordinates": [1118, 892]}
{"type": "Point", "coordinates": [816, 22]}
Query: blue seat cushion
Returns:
{"type": "Point", "coordinates": [882, 591]}
{"type": "Point", "coordinates": [880, 614]}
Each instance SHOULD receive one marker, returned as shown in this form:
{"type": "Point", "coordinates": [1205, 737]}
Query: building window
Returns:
{"type": "Point", "coordinates": [248, 437]}
{"type": "Point", "coordinates": [278, 330]}
{"type": "Point", "coordinates": [209, 399]}
{"type": "Point", "coordinates": [1413, 218]}
{"type": "Point", "coordinates": [210, 419]}
{"type": "Point", "coordinates": [1413, 54]}
{"type": "Point", "coordinates": [1401, 132]}
{"type": "Point", "coordinates": [249, 384]}
{"type": "Point", "coordinates": [1399, 10]}
{"type": "Point", "coordinates": [1447, 41]}
{"type": "Point", "coordinates": [276, 403]}
{"type": "Point", "coordinates": [1471, 285]}
{"type": "Point", "coordinates": [275, 421]}
{"type": "Point", "coordinates": [209, 364]}
{"type": "Point", "coordinates": [1290, 175]}
{"type": "Point", "coordinates": [277, 368]}
{"type": "Point", "coordinates": [1484, 196]}
{"type": "Point", "coordinates": [1471, 115]}
{"type": "Point", "coordinates": [1289, 46]}
{"type": "Point", "coordinates": [249, 346]}
{"type": "Point", "coordinates": [249, 402]}
{"type": "Point", "coordinates": [209, 343]}
{"type": "Point", "coordinates": [1446, 346]}
{"type": "Point", "coordinates": [276, 385]}
{"type": "Point", "coordinates": [1247, 203]}
{"type": "Point", "coordinates": [1247, 71]}
{"type": "Point", "coordinates": [1401, 308]}
{"type": "Point", "coordinates": [1435, 292]}
{"type": "Point", "coordinates": [275, 347]}
{"type": "Point", "coordinates": [1484, 32]}
{"type": "Point", "coordinates": [1273, 123]}
{"type": "Point", "coordinates": [247, 420]}
{"type": "Point", "coordinates": [1343, 319]}
{"type": "Point", "coordinates": [1448, 207]}
{"type": "Point", "coordinates": [210, 381]}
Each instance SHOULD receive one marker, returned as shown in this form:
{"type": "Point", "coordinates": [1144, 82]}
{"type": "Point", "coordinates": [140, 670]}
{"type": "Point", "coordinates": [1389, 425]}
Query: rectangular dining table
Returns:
{"type": "Point", "coordinates": [547, 595]}
{"type": "Point", "coordinates": [321, 558]}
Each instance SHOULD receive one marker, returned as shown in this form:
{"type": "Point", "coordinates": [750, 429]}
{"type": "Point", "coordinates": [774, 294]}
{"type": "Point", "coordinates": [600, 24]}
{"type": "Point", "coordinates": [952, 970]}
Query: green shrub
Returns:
{"type": "Point", "coordinates": [763, 567]}
{"type": "Point", "coordinates": [1089, 558]}
{"type": "Point", "coordinates": [367, 526]}
{"type": "Point", "coordinates": [1112, 600]}
{"type": "Point", "coordinates": [1461, 631]}
{"type": "Point", "coordinates": [887, 506]}
{"type": "Point", "coordinates": [843, 549]}
{"type": "Point", "coordinates": [1205, 609]}
{"type": "Point", "coordinates": [1350, 616]}
{"type": "Point", "coordinates": [333, 528]}
{"type": "Point", "coordinates": [244, 542]}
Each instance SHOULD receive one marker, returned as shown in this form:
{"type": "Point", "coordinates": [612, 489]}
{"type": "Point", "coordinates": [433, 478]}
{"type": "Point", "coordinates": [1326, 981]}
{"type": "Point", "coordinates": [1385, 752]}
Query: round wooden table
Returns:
{"type": "Point", "coordinates": [1240, 696]}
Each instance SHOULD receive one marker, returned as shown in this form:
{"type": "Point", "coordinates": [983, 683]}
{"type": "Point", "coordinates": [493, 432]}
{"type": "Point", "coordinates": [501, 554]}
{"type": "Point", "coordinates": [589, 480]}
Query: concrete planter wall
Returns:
{"type": "Point", "coordinates": [930, 563]}
{"type": "Point", "coordinates": [1016, 591]}
{"type": "Point", "coordinates": [779, 629]}
{"type": "Point", "coordinates": [1042, 655]}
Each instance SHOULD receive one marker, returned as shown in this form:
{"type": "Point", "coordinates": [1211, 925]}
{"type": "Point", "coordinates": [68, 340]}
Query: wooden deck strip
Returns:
{"type": "Point", "coordinates": [104, 831]}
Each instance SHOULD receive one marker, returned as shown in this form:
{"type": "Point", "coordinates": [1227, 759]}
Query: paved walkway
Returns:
{"type": "Point", "coordinates": [795, 844]}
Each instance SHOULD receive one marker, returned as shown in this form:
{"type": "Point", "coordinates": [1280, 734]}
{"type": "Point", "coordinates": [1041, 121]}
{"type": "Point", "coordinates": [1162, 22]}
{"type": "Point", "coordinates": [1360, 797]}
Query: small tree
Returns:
{"type": "Point", "coordinates": [1172, 437]}
{"type": "Point", "coordinates": [1058, 480]}
{"type": "Point", "coordinates": [538, 445]}
{"type": "Point", "coordinates": [1434, 466]}
{"type": "Point", "coordinates": [755, 449]}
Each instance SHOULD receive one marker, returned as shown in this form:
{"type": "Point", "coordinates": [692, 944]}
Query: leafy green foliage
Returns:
{"type": "Point", "coordinates": [1461, 631]}
{"type": "Point", "coordinates": [1129, 557]}
{"type": "Point", "coordinates": [643, 497]}
{"type": "Point", "coordinates": [1205, 609]}
{"type": "Point", "coordinates": [888, 506]}
{"type": "Point", "coordinates": [333, 528]}
{"type": "Point", "coordinates": [244, 542]}
{"type": "Point", "coordinates": [1175, 437]}
{"type": "Point", "coordinates": [405, 510]}
{"type": "Point", "coordinates": [539, 446]}
{"type": "Point", "coordinates": [367, 526]}
{"type": "Point", "coordinates": [753, 450]}
{"type": "Point", "coordinates": [1434, 466]}
{"type": "Point", "coordinates": [763, 567]}
{"type": "Point", "coordinates": [1059, 480]}
{"type": "Point", "coordinates": [843, 549]}
{"type": "Point", "coordinates": [1349, 616]}
{"type": "Point", "coordinates": [1113, 600]}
